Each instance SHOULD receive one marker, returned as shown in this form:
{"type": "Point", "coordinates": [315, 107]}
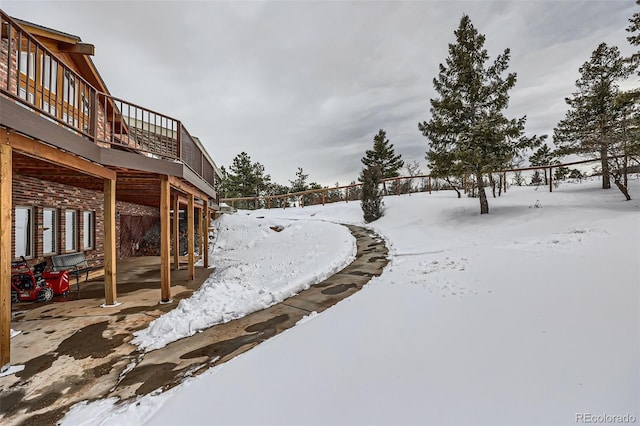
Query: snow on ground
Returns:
{"type": "Point", "coordinates": [258, 263]}
{"type": "Point", "coordinates": [529, 315]}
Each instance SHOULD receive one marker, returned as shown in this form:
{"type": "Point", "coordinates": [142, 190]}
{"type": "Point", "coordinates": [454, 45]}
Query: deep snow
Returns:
{"type": "Point", "coordinates": [258, 263]}
{"type": "Point", "coordinates": [525, 316]}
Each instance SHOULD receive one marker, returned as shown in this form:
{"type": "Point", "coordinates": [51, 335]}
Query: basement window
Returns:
{"type": "Point", "coordinates": [88, 226]}
{"type": "Point", "coordinates": [49, 231]}
{"type": "Point", "coordinates": [23, 232]}
{"type": "Point", "coordinates": [71, 230]}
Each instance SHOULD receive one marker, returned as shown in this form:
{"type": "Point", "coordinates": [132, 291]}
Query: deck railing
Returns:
{"type": "Point", "coordinates": [34, 77]}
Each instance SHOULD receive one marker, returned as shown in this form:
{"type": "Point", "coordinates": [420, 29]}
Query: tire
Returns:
{"type": "Point", "coordinates": [14, 296]}
{"type": "Point", "coordinates": [45, 295]}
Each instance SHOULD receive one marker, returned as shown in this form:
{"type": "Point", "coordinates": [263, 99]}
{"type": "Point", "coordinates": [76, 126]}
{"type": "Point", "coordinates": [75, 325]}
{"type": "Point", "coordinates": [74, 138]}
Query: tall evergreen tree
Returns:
{"type": "Point", "coordinates": [634, 39]}
{"type": "Point", "coordinates": [246, 179]}
{"type": "Point", "coordinates": [543, 156]}
{"type": "Point", "coordinates": [468, 132]}
{"type": "Point", "coordinates": [300, 182]}
{"type": "Point", "coordinates": [383, 155]}
{"type": "Point", "coordinates": [371, 197]}
{"type": "Point", "coordinates": [596, 117]}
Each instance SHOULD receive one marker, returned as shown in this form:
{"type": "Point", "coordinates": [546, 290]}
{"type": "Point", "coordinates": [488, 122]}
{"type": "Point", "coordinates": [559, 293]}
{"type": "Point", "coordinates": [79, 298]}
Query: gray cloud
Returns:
{"type": "Point", "coordinates": [309, 83]}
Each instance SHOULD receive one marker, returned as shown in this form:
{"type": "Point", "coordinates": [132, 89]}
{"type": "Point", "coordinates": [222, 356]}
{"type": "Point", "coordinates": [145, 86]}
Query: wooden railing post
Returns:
{"type": "Point", "coordinates": [550, 179]}
{"type": "Point", "coordinates": [93, 128]}
{"type": "Point", "coordinates": [429, 184]}
{"type": "Point", "coordinates": [179, 140]}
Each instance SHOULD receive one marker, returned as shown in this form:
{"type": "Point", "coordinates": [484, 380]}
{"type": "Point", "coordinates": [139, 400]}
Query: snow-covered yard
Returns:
{"type": "Point", "coordinates": [529, 315]}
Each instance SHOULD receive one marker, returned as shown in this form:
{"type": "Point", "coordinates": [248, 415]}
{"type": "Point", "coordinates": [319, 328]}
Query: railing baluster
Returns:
{"type": "Point", "coordinates": [9, 52]}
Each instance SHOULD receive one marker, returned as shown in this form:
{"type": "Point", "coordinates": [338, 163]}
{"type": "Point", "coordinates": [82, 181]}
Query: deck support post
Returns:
{"type": "Point", "coordinates": [176, 232]}
{"type": "Point", "coordinates": [6, 210]}
{"type": "Point", "coordinates": [110, 292]}
{"type": "Point", "coordinates": [165, 241]}
{"type": "Point", "coordinates": [205, 234]}
{"type": "Point", "coordinates": [191, 235]}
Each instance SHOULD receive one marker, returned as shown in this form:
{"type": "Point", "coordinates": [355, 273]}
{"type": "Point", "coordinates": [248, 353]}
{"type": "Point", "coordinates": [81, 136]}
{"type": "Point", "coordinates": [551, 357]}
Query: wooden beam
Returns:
{"type": "Point", "coordinates": [201, 231]}
{"type": "Point", "coordinates": [110, 292]}
{"type": "Point", "coordinates": [79, 48]}
{"type": "Point", "coordinates": [205, 226]}
{"type": "Point", "coordinates": [38, 150]}
{"type": "Point", "coordinates": [176, 232]}
{"type": "Point", "coordinates": [6, 210]}
{"type": "Point", "coordinates": [183, 187]}
{"type": "Point", "coordinates": [191, 236]}
{"type": "Point", "coordinates": [165, 241]}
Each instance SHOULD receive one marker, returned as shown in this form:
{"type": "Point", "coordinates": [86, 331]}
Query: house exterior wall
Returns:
{"type": "Point", "coordinates": [39, 195]}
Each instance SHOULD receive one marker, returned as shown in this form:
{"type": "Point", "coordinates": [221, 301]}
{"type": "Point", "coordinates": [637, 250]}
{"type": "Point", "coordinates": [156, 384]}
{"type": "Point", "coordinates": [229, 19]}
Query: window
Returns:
{"type": "Point", "coordinates": [70, 231]}
{"type": "Point", "coordinates": [50, 74]}
{"type": "Point", "coordinates": [23, 95]}
{"type": "Point", "coordinates": [69, 88]}
{"type": "Point", "coordinates": [24, 232]}
{"type": "Point", "coordinates": [88, 227]}
{"type": "Point", "coordinates": [27, 60]}
{"type": "Point", "coordinates": [49, 231]}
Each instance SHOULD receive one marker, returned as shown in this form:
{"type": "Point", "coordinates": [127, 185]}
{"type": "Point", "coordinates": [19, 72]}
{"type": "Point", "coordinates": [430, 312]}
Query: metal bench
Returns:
{"type": "Point", "coordinates": [75, 263]}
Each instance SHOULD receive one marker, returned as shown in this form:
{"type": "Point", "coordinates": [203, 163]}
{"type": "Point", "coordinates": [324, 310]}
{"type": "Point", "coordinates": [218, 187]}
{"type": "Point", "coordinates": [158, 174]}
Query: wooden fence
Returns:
{"type": "Point", "coordinates": [391, 186]}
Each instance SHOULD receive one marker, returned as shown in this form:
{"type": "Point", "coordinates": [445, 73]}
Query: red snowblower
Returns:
{"type": "Point", "coordinates": [30, 285]}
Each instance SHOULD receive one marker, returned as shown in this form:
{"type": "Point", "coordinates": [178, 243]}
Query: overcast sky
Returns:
{"type": "Point", "coordinates": [309, 83]}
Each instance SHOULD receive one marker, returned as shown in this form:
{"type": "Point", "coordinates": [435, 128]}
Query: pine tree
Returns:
{"type": "Point", "coordinates": [542, 157]}
{"type": "Point", "coordinates": [371, 197]}
{"type": "Point", "coordinates": [383, 155]}
{"type": "Point", "coordinates": [300, 182]}
{"type": "Point", "coordinates": [468, 131]}
{"type": "Point", "coordinates": [595, 122]}
{"type": "Point", "coordinates": [246, 179]}
{"type": "Point", "coordinates": [634, 39]}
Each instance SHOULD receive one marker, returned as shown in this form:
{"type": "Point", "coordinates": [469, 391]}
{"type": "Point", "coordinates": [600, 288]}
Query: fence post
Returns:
{"type": "Point", "coordinates": [550, 179]}
{"type": "Point", "coordinates": [346, 194]}
{"type": "Point", "coordinates": [324, 196]}
{"type": "Point", "coordinates": [429, 184]}
{"type": "Point", "coordinates": [504, 179]}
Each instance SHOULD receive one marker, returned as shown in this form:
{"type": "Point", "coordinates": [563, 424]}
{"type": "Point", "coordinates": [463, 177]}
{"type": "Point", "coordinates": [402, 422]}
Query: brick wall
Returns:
{"type": "Point", "coordinates": [38, 195]}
